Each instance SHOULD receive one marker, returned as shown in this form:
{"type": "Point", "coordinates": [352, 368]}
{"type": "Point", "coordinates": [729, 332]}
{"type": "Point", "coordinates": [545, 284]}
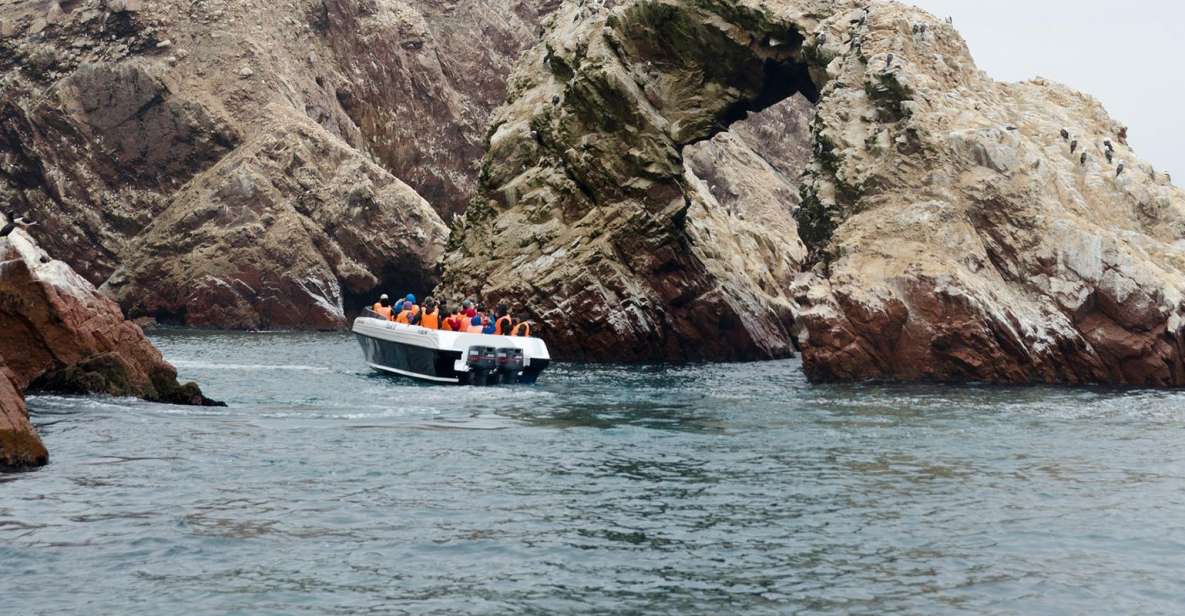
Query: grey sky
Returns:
{"type": "Point", "coordinates": [1125, 54]}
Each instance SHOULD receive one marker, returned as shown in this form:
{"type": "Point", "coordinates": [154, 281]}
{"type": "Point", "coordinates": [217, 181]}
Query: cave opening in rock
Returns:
{"type": "Point", "coordinates": [780, 81]}
{"type": "Point", "coordinates": [396, 280]}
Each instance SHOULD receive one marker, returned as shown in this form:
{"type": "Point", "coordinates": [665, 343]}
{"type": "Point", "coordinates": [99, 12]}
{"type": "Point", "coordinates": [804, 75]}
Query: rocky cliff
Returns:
{"type": "Point", "coordinates": [667, 179]}
{"type": "Point", "coordinates": [591, 221]}
{"type": "Point", "coordinates": [955, 228]}
{"type": "Point", "coordinates": [58, 333]}
{"type": "Point", "coordinates": [249, 163]}
{"type": "Point", "coordinates": [974, 230]}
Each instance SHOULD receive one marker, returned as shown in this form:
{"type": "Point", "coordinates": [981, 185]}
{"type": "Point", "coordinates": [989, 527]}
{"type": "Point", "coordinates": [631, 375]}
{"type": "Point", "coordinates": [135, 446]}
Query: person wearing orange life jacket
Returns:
{"type": "Point", "coordinates": [522, 328]}
{"type": "Point", "coordinates": [457, 321]}
{"type": "Point", "coordinates": [410, 314]}
{"type": "Point", "coordinates": [504, 321]}
{"type": "Point", "coordinates": [430, 315]}
{"type": "Point", "coordinates": [383, 307]}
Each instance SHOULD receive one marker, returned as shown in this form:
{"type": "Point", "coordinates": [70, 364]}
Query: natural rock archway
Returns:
{"type": "Point", "coordinates": [955, 228]}
{"type": "Point", "coordinates": [590, 221]}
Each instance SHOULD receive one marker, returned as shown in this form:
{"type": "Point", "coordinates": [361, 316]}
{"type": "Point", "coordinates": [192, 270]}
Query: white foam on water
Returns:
{"type": "Point", "coordinates": [201, 365]}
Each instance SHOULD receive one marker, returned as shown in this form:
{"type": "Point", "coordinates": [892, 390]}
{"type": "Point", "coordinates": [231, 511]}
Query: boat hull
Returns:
{"type": "Point", "coordinates": [438, 356]}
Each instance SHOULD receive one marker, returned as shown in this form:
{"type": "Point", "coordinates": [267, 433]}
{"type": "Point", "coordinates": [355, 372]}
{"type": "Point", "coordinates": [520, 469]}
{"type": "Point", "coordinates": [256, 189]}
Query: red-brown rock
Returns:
{"type": "Point", "coordinates": [58, 333]}
{"type": "Point", "coordinates": [20, 447]}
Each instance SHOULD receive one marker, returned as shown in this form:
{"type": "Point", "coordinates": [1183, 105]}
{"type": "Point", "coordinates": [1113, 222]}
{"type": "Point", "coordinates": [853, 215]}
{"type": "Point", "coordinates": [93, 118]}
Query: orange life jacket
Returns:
{"type": "Point", "coordinates": [383, 311]}
{"type": "Point", "coordinates": [431, 320]}
{"type": "Point", "coordinates": [522, 329]}
{"type": "Point", "coordinates": [407, 314]}
{"type": "Point", "coordinates": [453, 323]}
{"type": "Point", "coordinates": [502, 327]}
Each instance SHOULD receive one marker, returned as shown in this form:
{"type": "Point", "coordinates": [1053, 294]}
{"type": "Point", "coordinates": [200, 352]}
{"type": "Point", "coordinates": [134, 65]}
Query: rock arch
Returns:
{"type": "Point", "coordinates": [589, 218]}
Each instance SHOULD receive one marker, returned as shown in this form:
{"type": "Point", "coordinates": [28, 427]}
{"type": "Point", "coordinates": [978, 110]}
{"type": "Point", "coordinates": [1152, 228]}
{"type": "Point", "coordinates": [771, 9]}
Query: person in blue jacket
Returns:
{"type": "Point", "coordinates": [399, 304]}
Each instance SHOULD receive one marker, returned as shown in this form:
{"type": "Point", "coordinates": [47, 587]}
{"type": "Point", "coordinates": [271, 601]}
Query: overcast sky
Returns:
{"type": "Point", "coordinates": [1125, 54]}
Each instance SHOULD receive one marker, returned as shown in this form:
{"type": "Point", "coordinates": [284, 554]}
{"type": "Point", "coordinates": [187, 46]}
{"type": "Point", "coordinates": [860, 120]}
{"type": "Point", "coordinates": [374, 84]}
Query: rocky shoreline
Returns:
{"type": "Point", "coordinates": [664, 180]}
{"type": "Point", "coordinates": [59, 334]}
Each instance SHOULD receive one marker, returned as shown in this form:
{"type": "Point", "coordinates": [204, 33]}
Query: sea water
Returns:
{"type": "Point", "coordinates": [325, 488]}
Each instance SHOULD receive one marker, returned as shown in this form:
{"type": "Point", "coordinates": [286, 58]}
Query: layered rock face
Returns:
{"type": "Point", "coordinates": [119, 121]}
{"type": "Point", "coordinates": [590, 220]}
{"type": "Point", "coordinates": [282, 233]}
{"type": "Point", "coordinates": [57, 333]}
{"type": "Point", "coordinates": [955, 228]}
{"type": "Point", "coordinates": [972, 230]}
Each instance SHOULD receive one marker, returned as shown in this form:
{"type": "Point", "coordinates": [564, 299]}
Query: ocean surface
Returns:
{"type": "Point", "coordinates": [705, 489]}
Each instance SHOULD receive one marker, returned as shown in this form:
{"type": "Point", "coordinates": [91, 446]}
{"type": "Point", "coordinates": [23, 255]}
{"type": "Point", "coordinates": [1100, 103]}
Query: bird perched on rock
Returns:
{"type": "Point", "coordinates": [15, 221]}
{"type": "Point", "coordinates": [1107, 144]}
{"type": "Point", "coordinates": [888, 61]}
{"type": "Point", "coordinates": [1083, 159]}
{"type": "Point", "coordinates": [1065, 135]}
{"type": "Point", "coordinates": [555, 100]}
{"type": "Point", "coordinates": [1119, 171]}
{"type": "Point", "coordinates": [1073, 146]}
{"type": "Point", "coordinates": [1110, 156]}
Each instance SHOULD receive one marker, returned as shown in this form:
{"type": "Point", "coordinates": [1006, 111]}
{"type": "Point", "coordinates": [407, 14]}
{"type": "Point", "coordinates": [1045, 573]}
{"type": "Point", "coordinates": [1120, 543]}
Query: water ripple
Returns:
{"type": "Point", "coordinates": [700, 489]}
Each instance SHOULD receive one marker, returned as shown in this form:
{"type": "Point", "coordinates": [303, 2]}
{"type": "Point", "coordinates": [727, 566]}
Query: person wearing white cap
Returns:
{"type": "Point", "coordinates": [383, 307]}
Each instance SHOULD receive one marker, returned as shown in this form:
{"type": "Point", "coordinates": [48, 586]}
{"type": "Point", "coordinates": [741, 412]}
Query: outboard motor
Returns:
{"type": "Point", "coordinates": [482, 361]}
{"type": "Point", "coordinates": [510, 363]}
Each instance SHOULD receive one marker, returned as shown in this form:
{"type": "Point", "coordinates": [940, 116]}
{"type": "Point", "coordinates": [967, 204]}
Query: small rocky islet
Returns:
{"type": "Point", "coordinates": [647, 180]}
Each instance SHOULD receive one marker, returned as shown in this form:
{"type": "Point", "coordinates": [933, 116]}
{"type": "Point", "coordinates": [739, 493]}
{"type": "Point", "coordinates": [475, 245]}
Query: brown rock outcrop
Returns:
{"type": "Point", "coordinates": [590, 221]}
{"type": "Point", "coordinates": [279, 235]}
{"type": "Point", "coordinates": [57, 333]}
{"type": "Point", "coordinates": [20, 447]}
{"type": "Point", "coordinates": [962, 237]}
{"type": "Point", "coordinates": [953, 232]}
{"type": "Point", "coordinates": [114, 115]}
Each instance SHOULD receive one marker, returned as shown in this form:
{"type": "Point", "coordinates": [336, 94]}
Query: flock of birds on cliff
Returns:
{"type": "Point", "coordinates": [1108, 151]}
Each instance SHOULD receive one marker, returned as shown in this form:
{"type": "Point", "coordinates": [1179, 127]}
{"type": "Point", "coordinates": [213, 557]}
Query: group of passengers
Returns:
{"type": "Point", "coordinates": [466, 317]}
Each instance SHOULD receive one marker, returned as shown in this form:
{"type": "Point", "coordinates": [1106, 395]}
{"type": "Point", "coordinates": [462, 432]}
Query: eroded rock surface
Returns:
{"type": "Point", "coordinates": [952, 231]}
{"type": "Point", "coordinates": [960, 235]}
{"type": "Point", "coordinates": [114, 115]}
{"type": "Point", "coordinates": [590, 221]}
{"type": "Point", "coordinates": [280, 235]}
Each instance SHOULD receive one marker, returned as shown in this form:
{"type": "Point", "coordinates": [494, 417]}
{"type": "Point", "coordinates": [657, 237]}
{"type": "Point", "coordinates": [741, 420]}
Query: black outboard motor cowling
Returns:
{"type": "Point", "coordinates": [509, 364]}
{"type": "Point", "coordinates": [482, 362]}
